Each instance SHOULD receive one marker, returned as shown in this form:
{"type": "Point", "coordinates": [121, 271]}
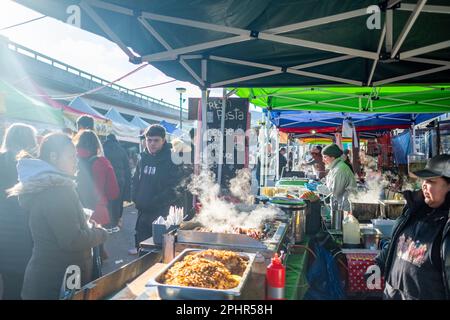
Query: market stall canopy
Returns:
{"type": "Point", "coordinates": [17, 106]}
{"type": "Point", "coordinates": [79, 107]}
{"type": "Point", "coordinates": [138, 122]}
{"type": "Point", "coordinates": [122, 128]}
{"type": "Point", "coordinates": [268, 43]}
{"type": "Point", "coordinates": [82, 106]}
{"type": "Point", "coordinates": [387, 99]}
{"type": "Point", "coordinates": [303, 122]}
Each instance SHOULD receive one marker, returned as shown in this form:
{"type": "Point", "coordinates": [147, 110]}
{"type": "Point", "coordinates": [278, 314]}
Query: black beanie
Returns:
{"type": "Point", "coordinates": [332, 150]}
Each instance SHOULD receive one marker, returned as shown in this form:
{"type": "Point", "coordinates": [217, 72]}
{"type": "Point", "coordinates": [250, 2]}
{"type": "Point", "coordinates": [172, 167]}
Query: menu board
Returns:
{"type": "Point", "coordinates": [237, 119]}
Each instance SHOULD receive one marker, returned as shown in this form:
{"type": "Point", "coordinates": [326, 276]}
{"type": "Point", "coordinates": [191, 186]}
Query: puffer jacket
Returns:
{"type": "Point", "coordinates": [61, 234]}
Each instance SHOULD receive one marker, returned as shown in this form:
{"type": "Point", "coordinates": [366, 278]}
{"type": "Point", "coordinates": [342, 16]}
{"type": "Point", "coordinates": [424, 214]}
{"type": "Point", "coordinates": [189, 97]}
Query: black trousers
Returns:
{"type": "Point", "coordinates": [116, 210]}
{"type": "Point", "coordinates": [144, 226]}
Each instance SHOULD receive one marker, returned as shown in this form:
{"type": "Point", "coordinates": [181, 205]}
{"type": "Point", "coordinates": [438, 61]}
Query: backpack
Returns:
{"type": "Point", "coordinates": [86, 188]}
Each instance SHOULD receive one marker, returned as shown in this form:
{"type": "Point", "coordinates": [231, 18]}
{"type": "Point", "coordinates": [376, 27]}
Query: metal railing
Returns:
{"type": "Point", "coordinates": [63, 66]}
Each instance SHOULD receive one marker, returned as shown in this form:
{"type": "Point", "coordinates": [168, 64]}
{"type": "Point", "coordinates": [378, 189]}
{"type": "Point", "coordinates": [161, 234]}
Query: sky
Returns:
{"type": "Point", "coordinates": [88, 52]}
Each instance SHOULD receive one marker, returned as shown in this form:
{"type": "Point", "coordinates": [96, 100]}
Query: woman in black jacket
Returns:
{"type": "Point", "coordinates": [15, 237]}
{"type": "Point", "coordinates": [416, 263]}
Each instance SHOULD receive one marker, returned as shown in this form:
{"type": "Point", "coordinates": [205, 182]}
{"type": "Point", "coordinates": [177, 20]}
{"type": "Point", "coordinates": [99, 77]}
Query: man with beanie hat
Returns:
{"type": "Point", "coordinates": [416, 262]}
{"type": "Point", "coordinates": [340, 179]}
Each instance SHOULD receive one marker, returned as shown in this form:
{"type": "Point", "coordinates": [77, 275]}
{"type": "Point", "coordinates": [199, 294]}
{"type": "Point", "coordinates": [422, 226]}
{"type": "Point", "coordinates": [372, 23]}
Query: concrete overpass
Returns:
{"type": "Point", "coordinates": [59, 79]}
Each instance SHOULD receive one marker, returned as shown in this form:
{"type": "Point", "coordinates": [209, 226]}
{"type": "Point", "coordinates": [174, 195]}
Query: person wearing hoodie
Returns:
{"type": "Point", "coordinates": [63, 238]}
{"type": "Point", "coordinates": [416, 262]}
{"type": "Point", "coordinates": [154, 182]}
{"type": "Point", "coordinates": [16, 243]}
{"type": "Point", "coordinates": [119, 161]}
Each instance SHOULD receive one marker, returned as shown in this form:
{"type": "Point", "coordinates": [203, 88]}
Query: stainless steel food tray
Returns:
{"type": "Point", "coordinates": [238, 241]}
{"type": "Point", "coordinates": [172, 292]}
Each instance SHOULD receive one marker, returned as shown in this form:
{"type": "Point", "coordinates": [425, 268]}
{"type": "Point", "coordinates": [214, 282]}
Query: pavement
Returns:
{"type": "Point", "coordinates": [119, 243]}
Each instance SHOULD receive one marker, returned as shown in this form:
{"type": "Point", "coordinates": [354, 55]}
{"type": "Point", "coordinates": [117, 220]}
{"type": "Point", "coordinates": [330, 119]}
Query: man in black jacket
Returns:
{"type": "Point", "coordinates": [154, 182]}
{"type": "Point", "coordinates": [119, 160]}
{"type": "Point", "coordinates": [416, 263]}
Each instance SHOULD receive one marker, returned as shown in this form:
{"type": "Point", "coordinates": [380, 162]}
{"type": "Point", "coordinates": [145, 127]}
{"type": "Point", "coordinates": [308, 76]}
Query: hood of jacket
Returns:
{"type": "Point", "coordinates": [165, 154]}
{"type": "Point", "coordinates": [334, 164]}
{"type": "Point", "coordinates": [35, 176]}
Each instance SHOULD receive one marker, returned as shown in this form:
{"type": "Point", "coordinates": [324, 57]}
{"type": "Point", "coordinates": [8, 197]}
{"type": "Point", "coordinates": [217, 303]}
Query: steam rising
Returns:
{"type": "Point", "coordinates": [375, 183]}
{"type": "Point", "coordinates": [240, 186]}
{"type": "Point", "coordinates": [221, 216]}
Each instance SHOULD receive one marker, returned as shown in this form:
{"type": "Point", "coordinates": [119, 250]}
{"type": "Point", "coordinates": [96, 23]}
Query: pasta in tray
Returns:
{"type": "Point", "coordinates": [213, 269]}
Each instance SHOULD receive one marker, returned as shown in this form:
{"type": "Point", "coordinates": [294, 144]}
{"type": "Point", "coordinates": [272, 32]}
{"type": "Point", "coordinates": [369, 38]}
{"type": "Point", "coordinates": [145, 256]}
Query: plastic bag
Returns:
{"type": "Point", "coordinates": [323, 278]}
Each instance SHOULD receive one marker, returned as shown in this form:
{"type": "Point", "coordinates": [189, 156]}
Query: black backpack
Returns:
{"type": "Point", "coordinates": [85, 183]}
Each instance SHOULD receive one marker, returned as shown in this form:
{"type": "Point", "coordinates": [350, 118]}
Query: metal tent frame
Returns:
{"type": "Point", "coordinates": [237, 35]}
{"type": "Point", "coordinates": [200, 62]}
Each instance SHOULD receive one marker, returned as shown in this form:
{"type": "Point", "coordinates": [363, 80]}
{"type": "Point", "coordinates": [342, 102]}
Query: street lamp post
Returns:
{"type": "Point", "coordinates": [181, 91]}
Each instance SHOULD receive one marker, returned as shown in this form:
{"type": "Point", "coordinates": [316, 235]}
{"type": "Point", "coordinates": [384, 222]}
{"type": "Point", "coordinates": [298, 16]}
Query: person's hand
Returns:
{"type": "Point", "coordinates": [95, 224]}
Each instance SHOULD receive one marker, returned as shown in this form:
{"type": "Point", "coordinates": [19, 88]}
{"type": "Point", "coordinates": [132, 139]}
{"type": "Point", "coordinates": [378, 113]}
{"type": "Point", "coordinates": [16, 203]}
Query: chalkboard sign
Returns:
{"type": "Point", "coordinates": [237, 121]}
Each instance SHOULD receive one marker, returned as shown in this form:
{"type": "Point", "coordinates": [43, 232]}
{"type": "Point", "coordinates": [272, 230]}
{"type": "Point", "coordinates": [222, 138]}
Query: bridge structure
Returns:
{"type": "Point", "coordinates": [63, 82]}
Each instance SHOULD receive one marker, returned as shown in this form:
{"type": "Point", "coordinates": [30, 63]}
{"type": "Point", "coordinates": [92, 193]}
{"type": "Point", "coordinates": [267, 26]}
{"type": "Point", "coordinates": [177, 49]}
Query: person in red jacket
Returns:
{"type": "Point", "coordinates": [97, 185]}
{"type": "Point", "coordinates": [96, 193]}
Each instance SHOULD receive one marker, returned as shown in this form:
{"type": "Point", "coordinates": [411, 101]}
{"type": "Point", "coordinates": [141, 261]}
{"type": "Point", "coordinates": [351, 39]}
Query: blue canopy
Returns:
{"type": "Point", "coordinates": [170, 128]}
{"type": "Point", "coordinates": [286, 120]}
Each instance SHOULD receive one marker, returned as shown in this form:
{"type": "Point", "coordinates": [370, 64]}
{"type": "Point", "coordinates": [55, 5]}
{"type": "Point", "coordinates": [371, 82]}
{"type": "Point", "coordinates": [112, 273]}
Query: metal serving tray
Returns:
{"type": "Point", "coordinates": [173, 292]}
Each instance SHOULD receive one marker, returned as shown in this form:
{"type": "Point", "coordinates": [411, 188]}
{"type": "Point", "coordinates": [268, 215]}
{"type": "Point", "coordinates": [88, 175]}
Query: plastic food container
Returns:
{"type": "Point", "coordinates": [385, 226]}
{"type": "Point", "coordinates": [370, 238]}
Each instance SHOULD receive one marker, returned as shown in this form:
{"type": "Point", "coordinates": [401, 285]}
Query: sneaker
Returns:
{"type": "Point", "coordinates": [115, 229]}
{"type": "Point", "coordinates": [109, 230]}
{"type": "Point", "coordinates": [133, 251]}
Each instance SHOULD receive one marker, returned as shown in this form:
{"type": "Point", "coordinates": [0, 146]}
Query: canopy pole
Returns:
{"type": "Point", "coordinates": [222, 136]}
{"type": "Point", "coordinates": [266, 144]}
{"type": "Point", "coordinates": [204, 144]}
{"type": "Point", "coordinates": [413, 137]}
{"type": "Point", "coordinates": [277, 150]}
{"type": "Point", "coordinates": [438, 136]}
{"type": "Point", "coordinates": [262, 151]}
{"type": "Point", "coordinates": [287, 151]}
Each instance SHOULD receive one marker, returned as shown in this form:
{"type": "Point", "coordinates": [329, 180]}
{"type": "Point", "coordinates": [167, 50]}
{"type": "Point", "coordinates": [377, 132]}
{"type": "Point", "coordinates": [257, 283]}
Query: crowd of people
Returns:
{"type": "Point", "coordinates": [61, 197]}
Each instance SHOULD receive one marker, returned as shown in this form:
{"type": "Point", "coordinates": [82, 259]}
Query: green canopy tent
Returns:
{"type": "Point", "coordinates": [17, 106]}
{"type": "Point", "coordinates": [386, 99]}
